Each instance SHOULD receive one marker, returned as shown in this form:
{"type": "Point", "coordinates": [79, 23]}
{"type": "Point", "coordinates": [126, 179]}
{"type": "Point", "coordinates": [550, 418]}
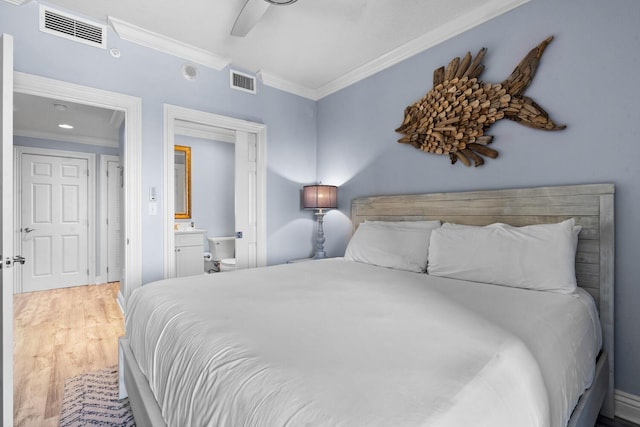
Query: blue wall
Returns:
{"type": "Point", "coordinates": [156, 78]}
{"type": "Point", "coordinates": [212, 185]}
{"type": "Point", "coordinates": [586, 79]}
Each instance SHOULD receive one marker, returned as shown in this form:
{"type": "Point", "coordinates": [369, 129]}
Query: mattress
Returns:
{"type": "Point", "coordinates": [340, 343]}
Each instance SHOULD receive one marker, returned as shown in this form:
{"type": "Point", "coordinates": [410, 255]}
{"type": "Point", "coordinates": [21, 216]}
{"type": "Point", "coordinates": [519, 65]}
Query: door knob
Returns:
{"type": "Point", "coordinates": [19, 259]}
{"type": "Point", "coordinates": [28, 230]}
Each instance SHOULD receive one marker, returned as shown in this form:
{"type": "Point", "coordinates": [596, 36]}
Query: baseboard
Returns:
{"type": "Point", "coordinates": [627, 406]}
{"type": "Point", "coordinates": [121, 303]}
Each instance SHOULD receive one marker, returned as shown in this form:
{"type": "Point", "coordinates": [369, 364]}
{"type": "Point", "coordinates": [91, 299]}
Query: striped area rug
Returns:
{"type": "Point", "coordinates": [91, 399]}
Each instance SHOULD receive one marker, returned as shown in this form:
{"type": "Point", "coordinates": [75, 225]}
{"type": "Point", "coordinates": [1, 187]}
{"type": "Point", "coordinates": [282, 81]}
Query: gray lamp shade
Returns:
{"type": "Point", "coordinates": [320, 197]}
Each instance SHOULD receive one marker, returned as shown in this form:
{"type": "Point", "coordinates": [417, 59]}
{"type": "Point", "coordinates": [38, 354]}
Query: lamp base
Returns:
{"type": "Point", "coordinates": [320, 239]}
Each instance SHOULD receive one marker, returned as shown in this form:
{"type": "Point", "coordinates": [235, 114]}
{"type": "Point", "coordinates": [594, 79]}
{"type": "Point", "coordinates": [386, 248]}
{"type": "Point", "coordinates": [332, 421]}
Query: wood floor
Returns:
{"type": "Point", "coordinates": [60, 334]}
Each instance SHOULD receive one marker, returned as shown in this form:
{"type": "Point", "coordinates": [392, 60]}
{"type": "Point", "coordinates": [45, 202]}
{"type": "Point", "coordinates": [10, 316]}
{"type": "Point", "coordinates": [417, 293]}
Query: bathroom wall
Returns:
{"type": "Point", "coordinates": [212, 184]}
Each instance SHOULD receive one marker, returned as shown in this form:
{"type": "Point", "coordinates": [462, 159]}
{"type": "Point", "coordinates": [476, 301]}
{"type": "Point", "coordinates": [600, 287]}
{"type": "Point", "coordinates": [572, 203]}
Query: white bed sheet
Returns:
{"type": "Point", "coordinates": [340, 343]}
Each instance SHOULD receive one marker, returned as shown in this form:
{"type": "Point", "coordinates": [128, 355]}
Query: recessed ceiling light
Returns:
{"type": "Point", "coordinates": [60, 107]}
{"type": "Point", "coordinates": [65, 126]}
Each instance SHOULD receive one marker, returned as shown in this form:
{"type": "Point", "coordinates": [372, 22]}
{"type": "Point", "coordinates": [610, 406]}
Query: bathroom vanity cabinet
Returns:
{"type": "Point", "coordinates": [189, 252]}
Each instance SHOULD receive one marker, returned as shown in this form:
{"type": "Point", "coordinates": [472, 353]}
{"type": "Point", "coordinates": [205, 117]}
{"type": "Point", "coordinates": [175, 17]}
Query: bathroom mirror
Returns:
{"type": "Point", "coordinates": [182, 172]}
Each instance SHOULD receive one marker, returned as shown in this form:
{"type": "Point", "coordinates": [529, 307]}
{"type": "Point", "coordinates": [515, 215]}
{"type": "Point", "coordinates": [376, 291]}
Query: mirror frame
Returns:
{"type": "Point", "coordinates": [187, 160]}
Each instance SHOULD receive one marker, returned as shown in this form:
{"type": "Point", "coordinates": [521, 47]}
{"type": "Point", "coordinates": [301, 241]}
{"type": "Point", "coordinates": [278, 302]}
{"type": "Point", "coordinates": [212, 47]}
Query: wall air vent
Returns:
{"type": "Point", "coordinates": [243, 82]}
{"type": "Point", "coordinates": [73, 28]}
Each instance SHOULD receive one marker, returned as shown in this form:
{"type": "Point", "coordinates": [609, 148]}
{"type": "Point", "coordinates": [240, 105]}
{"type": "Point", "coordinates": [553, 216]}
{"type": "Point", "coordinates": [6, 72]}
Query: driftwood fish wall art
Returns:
{"type": "Point", "coordinates": [453, 116]}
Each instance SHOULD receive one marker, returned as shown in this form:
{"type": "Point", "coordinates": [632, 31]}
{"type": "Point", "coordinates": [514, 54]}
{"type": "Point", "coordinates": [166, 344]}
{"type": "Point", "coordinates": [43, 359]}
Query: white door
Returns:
{"type": "Point", "coordinates": [54, 220]}
{"type": "Point", "coordinates": [245, 200]}
{"type": "Point", "coordinates": [6, 229]}
{"type": "Point", "coordinates": [114, 221]}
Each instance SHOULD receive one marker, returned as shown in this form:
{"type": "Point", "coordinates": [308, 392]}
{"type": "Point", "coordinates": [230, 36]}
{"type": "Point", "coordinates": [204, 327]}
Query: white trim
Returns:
{"type": "Point", "coordinates": [132, 108]}
{"type": "Point", "coordinates": [104, 158]}
{"type": "Point", "coordinates": [198, 130]}
{"type": "Point", "coordinates": [18, 2]}
{"type": "Point", "coordinates": [278, 83]}
{"type": "Point", "coordinates": [88, 140]}
{"type": "Point", "coordinates": [91, 204]}
{"type": "Point", "coordinates": [452, 28]}
{"type": "Point", "coordinates": [173, 113]}
{"type": "Point", "coordinates": [627, 406]}
{"type": "Point", "coordinates": [143, 37]}
{"type": "Point", "coordinates": [6, 218]}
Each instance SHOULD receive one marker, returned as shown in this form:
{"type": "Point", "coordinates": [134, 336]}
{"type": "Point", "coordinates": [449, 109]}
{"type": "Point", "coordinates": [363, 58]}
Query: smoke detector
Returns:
{"type": "Point", "coordinates": [189, 72]}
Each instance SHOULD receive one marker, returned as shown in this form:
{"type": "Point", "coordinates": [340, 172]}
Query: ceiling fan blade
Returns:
{"type": "Point", "coordinates": [249, 16]}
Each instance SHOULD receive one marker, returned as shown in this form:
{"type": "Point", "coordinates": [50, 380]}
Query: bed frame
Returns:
{"type": "Point", "coordinates": [591, 205]}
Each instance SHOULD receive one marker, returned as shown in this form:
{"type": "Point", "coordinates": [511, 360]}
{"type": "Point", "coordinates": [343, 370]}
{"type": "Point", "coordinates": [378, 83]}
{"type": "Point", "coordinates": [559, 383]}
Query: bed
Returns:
{"type": "Point", "coordinates": [340, 336]}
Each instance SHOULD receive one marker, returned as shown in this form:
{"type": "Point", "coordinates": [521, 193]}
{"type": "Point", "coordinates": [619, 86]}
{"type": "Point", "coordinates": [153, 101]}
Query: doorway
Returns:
{"type": "Point", "coordinates": [250, 183]}
{"type": "Point", "coordinates": [131, 161]}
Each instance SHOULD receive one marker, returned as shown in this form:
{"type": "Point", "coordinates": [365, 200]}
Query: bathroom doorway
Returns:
{"type": "Point", "coordinates": [249, 200]}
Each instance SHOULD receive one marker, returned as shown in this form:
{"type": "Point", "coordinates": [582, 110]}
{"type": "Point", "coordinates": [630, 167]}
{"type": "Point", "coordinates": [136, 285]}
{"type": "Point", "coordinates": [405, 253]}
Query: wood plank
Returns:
{"type": "Point", "coordinates": [567, 206]}
{"type": "Point", "coordinates": [563, 190]}
{"type": "Point", "coordinates": [60, 334]}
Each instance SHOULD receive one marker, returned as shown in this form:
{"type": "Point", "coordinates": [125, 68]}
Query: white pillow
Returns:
{"type": "Point", "coordinates": [540, 257]}
{"type": "Point", "coordinates": [391, 245]}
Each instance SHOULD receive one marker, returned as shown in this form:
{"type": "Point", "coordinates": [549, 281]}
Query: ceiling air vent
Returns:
{"type": "Point", "coordinates": [243, 82]}
{"type": "Point", "coordinates": [70, 27]}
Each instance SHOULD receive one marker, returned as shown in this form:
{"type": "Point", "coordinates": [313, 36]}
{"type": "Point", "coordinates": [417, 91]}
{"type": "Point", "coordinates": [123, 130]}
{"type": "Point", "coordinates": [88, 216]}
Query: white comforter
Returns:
{"type": "Point", "coordinates": [339, 343]}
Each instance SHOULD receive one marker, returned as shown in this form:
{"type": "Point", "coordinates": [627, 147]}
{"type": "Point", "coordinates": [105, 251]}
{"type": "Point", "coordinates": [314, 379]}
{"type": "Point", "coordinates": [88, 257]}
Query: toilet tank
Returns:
{"type": "Point", "coordinates": [222, 247]}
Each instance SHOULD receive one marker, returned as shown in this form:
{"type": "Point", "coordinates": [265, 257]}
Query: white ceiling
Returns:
{"type": "Point", "coordinates": [38, 117]}
{"type": "Point", "coordinates": [311, 47]}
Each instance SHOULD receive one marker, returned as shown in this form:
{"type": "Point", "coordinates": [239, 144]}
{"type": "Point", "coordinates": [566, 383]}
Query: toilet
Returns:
{"type": "Point", "coordinates": [223, 251]}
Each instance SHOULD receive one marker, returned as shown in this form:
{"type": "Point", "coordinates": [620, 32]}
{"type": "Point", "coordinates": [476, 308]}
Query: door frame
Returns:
{"type": "Point", "coordinates": [132, 160]}
{"type": "Point", "coordinates": [6, 234]}
{"type": "Point", "coordinates": [104, 215]}
{"type": "Point", "coordinates": [173, 113]}
{"type": "Point", "coordinates": [19, 151]}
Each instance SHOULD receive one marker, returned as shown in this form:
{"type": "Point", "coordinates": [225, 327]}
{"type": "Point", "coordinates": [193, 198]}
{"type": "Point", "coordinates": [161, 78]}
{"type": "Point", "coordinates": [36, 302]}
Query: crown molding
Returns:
{"type": "Point", "coordinates": [86, 140]}
{"type": "Point", "coordinates": [287, 86]}
{"type": "Point", "coordinates": [457, 26]}
{"type": "Point", "coordinates": [135, 34]}
{"type": "Point", "coordinates": [18, 2]}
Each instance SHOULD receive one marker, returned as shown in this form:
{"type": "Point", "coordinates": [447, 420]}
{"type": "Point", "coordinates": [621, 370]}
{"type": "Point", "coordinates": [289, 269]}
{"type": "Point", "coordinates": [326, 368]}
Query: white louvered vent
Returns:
{"type": "Point", "coordinates": [243, 82]}
{"type": "Point", "coordinates": [70, 27]}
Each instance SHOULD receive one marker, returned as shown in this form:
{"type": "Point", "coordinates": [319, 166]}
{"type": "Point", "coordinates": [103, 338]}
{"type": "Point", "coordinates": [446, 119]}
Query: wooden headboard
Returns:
{"type": "Point", "coordinates": [591, 205]}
